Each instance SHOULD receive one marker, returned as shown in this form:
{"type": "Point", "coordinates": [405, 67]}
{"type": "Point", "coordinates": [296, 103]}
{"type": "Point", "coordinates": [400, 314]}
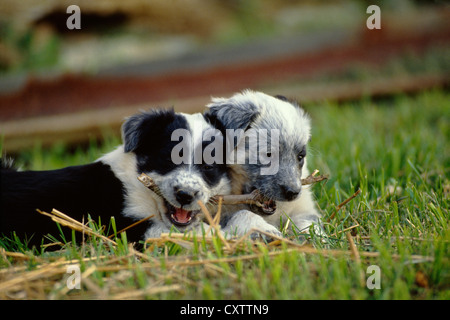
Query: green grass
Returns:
{"type": "Point", "coordinates": [396, 151]}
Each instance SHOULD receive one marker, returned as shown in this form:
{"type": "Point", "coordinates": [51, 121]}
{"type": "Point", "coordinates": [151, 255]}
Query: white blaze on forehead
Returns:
{"type": "Point", "coordinates": [197, 125]}
{"type": "Point", "coordinates": [199, 131]}
{"type": "Point", "coordinates": [194, 136]}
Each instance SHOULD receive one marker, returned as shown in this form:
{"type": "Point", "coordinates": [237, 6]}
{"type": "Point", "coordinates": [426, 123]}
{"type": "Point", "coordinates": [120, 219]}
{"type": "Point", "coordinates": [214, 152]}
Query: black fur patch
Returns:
{"type": "Point", "coordinates": [76, 191]}
{"type": "Point", "coordinates": [232, 116]}
{"type": "Point", "coordinates": [148, 135]}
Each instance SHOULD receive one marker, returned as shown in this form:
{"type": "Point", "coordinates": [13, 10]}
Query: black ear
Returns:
{"type": "Point", "coordinates": [282, 98]}
{"type": "Point", "coordinates": [231, 114]}
{"type": "Point", "coordinates": [145, 127]}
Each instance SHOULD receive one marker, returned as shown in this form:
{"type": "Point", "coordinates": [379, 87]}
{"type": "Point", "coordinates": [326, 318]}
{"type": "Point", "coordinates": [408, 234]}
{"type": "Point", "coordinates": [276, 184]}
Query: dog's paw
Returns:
{"type": "Point", "coordinates": [244, 221]}
{"type": "Point", "coordinates": [267, 235]}
{"type": "Point", "coordinates": [306, 225]}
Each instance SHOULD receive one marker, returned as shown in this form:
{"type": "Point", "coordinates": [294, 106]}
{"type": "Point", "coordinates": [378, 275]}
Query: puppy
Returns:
{"type": "Point", "coordinates": [109, 186]}
{"type": "Point", "coordinates": [276, 172]}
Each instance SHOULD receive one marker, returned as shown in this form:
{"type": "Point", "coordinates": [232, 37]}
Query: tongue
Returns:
{"type": "Point", "coordinates": [182, 215]}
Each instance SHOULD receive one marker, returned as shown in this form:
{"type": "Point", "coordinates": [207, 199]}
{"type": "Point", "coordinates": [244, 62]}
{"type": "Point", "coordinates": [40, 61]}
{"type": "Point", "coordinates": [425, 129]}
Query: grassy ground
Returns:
{"type": "Point", "coordinates": [395, 151]}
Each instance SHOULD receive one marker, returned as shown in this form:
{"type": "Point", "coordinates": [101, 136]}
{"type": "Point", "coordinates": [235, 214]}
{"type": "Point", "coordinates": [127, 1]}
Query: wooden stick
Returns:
{"type": "Point", "coordinates": [251, 198]}
{"type": "Point", "coordinates": [342, 204]}
{"type": "Point", "coordinates": [312, 178]}
{"type": "Point", "coordinates": [147, 181]}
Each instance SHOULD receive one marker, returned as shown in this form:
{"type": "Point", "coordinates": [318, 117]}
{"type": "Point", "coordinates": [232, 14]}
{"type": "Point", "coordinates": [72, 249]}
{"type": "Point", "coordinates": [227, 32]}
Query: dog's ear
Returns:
{"type": "Point", "coordinates": [231, 114]}
{"type": "Point", "coordinates": [145, 127]}
{"type": "Point", "coordinates": [282, 98]}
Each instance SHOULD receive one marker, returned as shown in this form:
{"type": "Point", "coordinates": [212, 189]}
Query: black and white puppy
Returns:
{"type": "Point", "coordinates": [109, 186]}
{"type": "Point", "coordinates": [275, 171]}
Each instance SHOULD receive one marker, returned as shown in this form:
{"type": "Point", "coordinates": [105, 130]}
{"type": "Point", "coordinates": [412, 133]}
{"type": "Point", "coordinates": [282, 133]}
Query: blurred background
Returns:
{"type": "Point", "coordinates": [58, 84]}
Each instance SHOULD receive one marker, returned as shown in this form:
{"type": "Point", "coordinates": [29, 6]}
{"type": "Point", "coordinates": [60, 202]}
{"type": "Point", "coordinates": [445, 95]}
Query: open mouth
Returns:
{"type": "Point", "coordinates": [267, 207]}
{"type": "Point", "coordinates": [264, 205]}
{"type": "Point", "coordinates": [179, 216]}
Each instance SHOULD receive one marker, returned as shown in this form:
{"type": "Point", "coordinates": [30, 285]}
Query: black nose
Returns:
{"type": "Point", "coordinates": [184, 197]}
{"type": "Point", "coordinates": [289, 193]}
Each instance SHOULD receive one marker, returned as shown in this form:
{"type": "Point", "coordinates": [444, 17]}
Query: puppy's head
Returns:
{"type": "Point", "coordinates": [282, 131]}
{"type": "Point", "coordinates": [169, 147]}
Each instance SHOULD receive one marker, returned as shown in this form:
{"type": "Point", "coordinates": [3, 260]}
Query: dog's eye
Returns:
{"type": "Point", "coordinates": [301, 157]}
{"type": "Point", "coordinates": [207, 167]}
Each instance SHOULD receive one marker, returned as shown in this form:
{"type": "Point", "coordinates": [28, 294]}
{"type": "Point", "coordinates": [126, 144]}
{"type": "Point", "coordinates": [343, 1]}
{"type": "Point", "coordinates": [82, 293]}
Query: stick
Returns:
{"type": "Point", "coordinates": [251, 198]}
{"type": "Point", "coordinates": [342, 204]}
{"type": "Point", "coordinates": [313, 179]}
{"type": "Point", "coordinates": [147, 181]}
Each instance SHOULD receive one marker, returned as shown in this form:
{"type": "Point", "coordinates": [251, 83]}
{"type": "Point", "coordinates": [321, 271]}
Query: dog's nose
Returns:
{"type": "Point", "coordinates": [184, 197]}
{"type": "Point", "coordinates": [289, 193]}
